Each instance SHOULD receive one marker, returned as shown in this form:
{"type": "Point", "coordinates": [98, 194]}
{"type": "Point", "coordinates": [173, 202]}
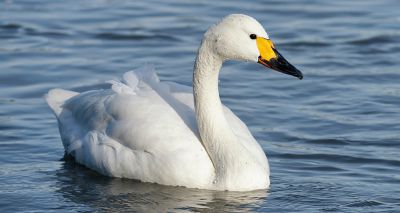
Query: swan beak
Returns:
{"type": "Point", "coordinates": [271, 58]}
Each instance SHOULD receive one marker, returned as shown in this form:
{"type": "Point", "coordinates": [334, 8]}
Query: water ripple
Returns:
{"type": "Point", "coordinates": [19, 30]}
{"type": "Point", "coordinates": [118, 36]}
{"type": "Point", "coordinates": [339, 158]}
{"type": "Point", "coordinates": [305, 43]}
{"type": "Point", "coordinates": [375, 40]}
{"type": "Point", "coordinates": [364, 203]}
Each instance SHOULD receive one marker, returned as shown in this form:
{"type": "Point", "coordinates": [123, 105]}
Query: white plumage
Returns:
{"type": "Point", "coordinates": [167, 133]}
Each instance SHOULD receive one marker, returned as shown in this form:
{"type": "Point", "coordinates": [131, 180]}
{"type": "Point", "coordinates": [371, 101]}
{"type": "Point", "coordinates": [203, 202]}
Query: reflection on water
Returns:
{"type": "Point", "coordinates": [85, 187]}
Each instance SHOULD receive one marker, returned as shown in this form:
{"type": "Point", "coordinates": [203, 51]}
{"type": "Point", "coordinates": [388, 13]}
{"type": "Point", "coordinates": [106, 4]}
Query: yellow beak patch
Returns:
{"type": "Point", "coordinates": [265, 47]}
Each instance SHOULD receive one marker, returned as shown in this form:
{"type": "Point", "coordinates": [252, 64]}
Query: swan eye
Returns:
{"type": "Point", "coordinates": [253, 36]}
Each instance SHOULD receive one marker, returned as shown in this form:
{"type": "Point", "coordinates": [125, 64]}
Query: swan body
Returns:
{"type": "Point", "coordinates": [167, 133]}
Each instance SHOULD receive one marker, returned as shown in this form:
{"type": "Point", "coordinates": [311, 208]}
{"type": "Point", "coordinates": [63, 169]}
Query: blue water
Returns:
{"type": "Point", "coordinates": [332, 139]}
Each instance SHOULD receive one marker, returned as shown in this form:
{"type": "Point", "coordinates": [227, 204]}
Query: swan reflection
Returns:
{"type": "Point", "coordinates": [96, 192]}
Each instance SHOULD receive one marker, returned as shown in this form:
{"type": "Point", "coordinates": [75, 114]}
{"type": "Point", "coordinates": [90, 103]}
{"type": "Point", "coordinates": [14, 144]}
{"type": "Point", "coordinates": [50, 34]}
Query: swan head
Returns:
{"type": "Point", "coordinates": [241, 37]}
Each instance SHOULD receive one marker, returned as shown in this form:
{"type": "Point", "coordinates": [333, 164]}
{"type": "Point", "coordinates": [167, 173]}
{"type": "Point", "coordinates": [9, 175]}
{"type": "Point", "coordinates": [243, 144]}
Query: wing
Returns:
{"type": "Point", "coordinates": [136, 129]}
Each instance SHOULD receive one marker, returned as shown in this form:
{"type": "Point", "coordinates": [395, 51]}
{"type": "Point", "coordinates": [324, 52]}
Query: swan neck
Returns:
{"type": "Point", "coordinates": [205, 78]}
{"type": "Point", "coordinates": [215, 132]}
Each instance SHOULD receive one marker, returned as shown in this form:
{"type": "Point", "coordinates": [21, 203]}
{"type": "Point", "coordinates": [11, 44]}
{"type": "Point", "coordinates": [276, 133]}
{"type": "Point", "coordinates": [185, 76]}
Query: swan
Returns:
{"type": "Point", "coordinates": [166, 133]}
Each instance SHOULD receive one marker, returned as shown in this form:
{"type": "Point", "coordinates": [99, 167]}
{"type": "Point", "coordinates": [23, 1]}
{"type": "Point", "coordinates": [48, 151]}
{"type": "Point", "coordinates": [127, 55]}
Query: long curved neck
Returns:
{"type": "Point", "coordinates": [217, 136]}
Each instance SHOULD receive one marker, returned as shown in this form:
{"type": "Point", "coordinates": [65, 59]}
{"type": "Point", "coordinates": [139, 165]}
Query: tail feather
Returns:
{"type": "Point", "coordinates": [55, 98]}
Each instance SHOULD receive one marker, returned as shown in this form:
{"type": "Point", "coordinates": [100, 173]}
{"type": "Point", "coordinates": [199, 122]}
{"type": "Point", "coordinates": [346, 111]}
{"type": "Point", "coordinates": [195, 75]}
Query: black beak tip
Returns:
{"type": "Point", "coordinates": [281, 65]}
{"type": "Point", "coordinates": [300, 77]}
{"type": "Point", "coordinates": [289, 69]}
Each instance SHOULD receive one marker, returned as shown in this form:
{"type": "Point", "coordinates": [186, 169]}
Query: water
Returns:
{"type": "Point", "coordinates": [332, 139]}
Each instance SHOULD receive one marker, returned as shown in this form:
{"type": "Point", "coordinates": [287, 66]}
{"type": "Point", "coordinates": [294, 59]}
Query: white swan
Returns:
{"type": "Point", "coordinates": [161, 132]}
